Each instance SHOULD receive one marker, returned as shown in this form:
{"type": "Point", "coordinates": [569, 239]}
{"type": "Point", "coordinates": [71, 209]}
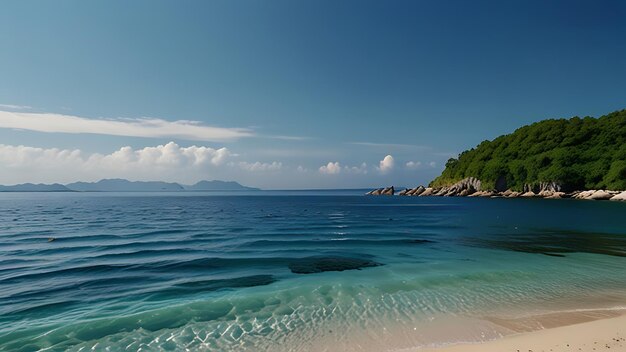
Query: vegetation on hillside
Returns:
{"type": "Point", "coordinates": [578, 153]}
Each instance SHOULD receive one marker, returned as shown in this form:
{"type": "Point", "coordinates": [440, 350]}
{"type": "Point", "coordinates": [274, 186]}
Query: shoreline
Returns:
{"type": "Point", "coordinates": [595, 334]}
{"type": "Point", "coordinates": [471, 187]}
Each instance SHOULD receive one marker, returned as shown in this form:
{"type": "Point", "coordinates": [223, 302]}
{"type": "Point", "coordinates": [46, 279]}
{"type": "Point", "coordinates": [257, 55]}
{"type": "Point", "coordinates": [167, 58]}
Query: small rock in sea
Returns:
{"type": "Point", "coordinates": [51, 239]}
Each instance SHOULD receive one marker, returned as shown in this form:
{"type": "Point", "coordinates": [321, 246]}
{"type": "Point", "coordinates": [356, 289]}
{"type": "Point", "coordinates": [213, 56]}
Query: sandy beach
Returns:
{"type": "Point", "coordinates": [598, 335]}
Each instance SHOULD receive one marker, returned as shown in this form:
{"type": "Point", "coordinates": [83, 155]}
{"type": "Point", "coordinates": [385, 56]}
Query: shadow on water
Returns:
{"type": "Point", "coordinates": [553, 243]}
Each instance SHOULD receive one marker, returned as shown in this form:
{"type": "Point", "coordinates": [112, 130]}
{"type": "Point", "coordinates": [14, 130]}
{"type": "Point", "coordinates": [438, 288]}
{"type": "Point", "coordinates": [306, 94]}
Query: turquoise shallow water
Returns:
{"type": "Point", "coordinates": [294, 271]}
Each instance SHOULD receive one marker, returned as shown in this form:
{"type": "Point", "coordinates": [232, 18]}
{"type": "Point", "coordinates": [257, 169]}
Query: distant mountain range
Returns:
{"type": "Point", "coordinates": [31, 187]}
{"type": "Point", "coordinates": [122, 185]}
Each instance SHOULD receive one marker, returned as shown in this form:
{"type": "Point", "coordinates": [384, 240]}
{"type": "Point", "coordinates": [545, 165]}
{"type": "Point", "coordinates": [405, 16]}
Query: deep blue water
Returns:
{"type": "Point", "coordinates": [292, 270]}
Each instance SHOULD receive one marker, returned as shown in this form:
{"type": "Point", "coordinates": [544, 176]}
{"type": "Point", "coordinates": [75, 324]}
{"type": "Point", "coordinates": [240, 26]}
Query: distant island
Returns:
{"type": "Point", "coordinates": [122, 185]}
{"type": "Point", "coordinates": [556, 158]}
{"type": "Point", "coordinates": [31, 187]}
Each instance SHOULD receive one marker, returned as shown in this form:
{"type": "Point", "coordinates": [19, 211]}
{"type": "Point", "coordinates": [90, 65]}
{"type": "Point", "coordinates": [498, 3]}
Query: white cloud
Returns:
{"type": "Point", "coordinates": [336, 168]}
{"type": "Point", "coordinates": [386, 165]}
{"type": "Point", "coordinates": [330, 168]}
{"type": "Point", "coordinates": [413, 164]}
{"type": "Point", "coordinates": [259, 166]}
{"type": "Point", "coordinates": [169, 161]}
{"type": "Point", "coordinates": [362, 169]}
{"type": "Point", "coordinates": [144, 127]}
{"type": "Point", "coordinates": [302, 169]}
{"type": "Point", "coordinates": [432, 164]}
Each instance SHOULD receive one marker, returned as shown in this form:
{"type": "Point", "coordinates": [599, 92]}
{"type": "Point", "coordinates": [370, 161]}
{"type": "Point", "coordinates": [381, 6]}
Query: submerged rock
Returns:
{"type": "Point", "coordinates": [314, 265]}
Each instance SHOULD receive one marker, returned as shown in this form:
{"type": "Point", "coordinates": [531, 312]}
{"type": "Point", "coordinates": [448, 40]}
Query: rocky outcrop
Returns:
{"type": "Point", "coordinates": [388, 191]}
{"type": "Point", "coordinates": [417, 191]}
{"type": "Point", "coordinates": [471, 187]}
{"type": "Point", "coordinates": [619, 197]}
{"type": "Point", "coordinates": [427, 192]}
{"type": "Point", "coordinates": [595, 195]}
{"type": "Point", "coordinates": [374, 192]}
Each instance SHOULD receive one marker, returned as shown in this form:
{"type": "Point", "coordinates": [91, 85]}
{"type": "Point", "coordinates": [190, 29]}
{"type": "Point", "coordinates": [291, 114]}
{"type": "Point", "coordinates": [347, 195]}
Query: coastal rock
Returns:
{"type": "Point", "coordinates": [427, 192]}
{"type": "Point", "coordinates": [417, 191]}
{"type": "Point", "coordinates": [584, 194]}
{"type": "Point", "coordinates": [389, 191]}
{"type": "Point", "coordinates": [375, 192]}
{"type": "Point", "coordinates": [556, 195]}
{"type": "Point", "coordinates": [600, 195]}
{"type": "Point", "coordinates": [464, 187]}
{"type": "Point", "coordinates": [528, 194]}
{"type": "Point", "coordinates": [545, 194]}
{"type": "Point", "coordinates": [404, 192]}
{"type": "Point", "coordinates": [619, 197]}
{"type": "Point", "coordinates": [441, 192]}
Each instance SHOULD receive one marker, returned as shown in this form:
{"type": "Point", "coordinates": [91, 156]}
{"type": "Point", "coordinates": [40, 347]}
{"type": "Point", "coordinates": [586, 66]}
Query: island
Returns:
{"type": "Point", "coordinates": [583, 158]}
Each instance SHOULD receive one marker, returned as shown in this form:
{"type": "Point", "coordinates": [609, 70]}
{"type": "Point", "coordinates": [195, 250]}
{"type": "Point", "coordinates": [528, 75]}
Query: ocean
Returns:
{"type": "Point", "coordinates": [297, 271]}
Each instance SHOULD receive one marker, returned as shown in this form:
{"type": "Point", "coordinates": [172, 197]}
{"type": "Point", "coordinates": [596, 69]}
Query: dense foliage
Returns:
{"type": "Point", "coordinates": [578, 153]}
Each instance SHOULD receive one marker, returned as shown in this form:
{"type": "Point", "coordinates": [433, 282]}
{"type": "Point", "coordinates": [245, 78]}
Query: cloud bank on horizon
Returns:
{"type": "Point", "coordinates": [169, 162]}
{"type": "Point", "coordinates": [166, 162]}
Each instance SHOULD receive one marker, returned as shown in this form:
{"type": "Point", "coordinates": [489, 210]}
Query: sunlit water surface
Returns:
{"type": "Point", "coordinates": [295, 271]}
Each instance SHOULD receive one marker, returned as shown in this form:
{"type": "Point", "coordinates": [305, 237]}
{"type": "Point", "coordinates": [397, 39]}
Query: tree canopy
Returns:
{"type": "Point", "coordinates": [578, 153]}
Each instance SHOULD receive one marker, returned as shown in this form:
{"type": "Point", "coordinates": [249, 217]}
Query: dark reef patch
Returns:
{"type": "Point", "coordinates": [314, 265]}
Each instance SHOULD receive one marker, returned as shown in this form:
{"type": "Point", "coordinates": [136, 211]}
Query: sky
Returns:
{"type": "Point", "coordinates": [286, 94]}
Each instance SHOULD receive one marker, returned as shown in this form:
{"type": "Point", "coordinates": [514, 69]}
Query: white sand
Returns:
{"type": "Point", "coordinates": [599, 335]}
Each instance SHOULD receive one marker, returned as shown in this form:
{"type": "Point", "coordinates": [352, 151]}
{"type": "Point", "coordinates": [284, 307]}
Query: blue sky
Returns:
{"type": "Point", "coordinates": [290, 94]}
